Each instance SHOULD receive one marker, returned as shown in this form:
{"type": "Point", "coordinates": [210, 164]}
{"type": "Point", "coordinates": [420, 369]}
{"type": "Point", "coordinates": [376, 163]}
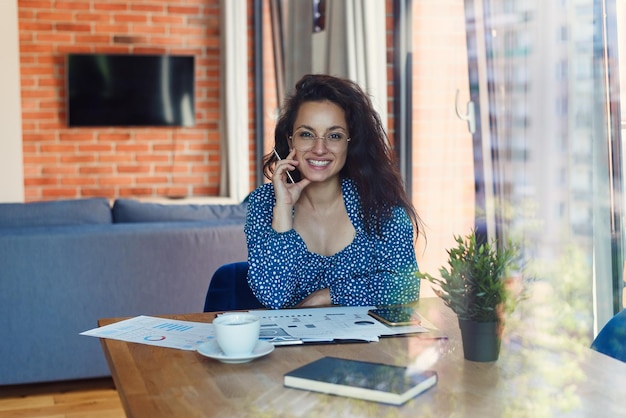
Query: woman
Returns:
{"type": "Point", "coordinates": [342, 232]}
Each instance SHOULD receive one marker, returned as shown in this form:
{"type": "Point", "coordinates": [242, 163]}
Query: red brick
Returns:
{"type": "Point", "coordinates": [93, 39]}
{"type": "Point", "coordinates": [76, 137]}
{"type": "Point", "coordinates": [27, 48]}
{"type": "Point", "coordinates": [115, 158]}
{"type": "Point", "coordinates": [97, 148]}
{"type": "Point", "coordinates": [133, 169]}
{"type": "Point", "coordinates": [52, 125]}
{"type": "Point", "coordinates": [92, 17]}
{"type": "Point", "coordinates": [98, 192]}
{"type": "Point", "coordinates": [151, 180]}
{"type": "Point", "coordinates": [149, 29]}
{"type": "Point", "coordinates": [135, 191]}
{"type": "Point", "coordinates": [35, 4]}
{"type": "Point", "coordinates": [130, 17]}
{"type": "Point", "coordinates": [71, 5]}
{"type": "Point", "coordinates": [170, 20]}
{"type": "Point", "coordinates": [189, 179]}
{"type": "Point", "coordinates": [187, 30]}
{"type": "Point", "coordinates": [113, 137]}
{"type": "Point", "coordinates": [121, 39]}
{"type": "Point", "coordinates": [51, 16]}
{"type": "Point", "coordinates": [147, 8]}
{"type": "Point", "coordinates": [73, 27]}
{"type": "Point", "coordinates": [111, 180]}
{"type": "Point", "coordinates": [95, 170]}
{"type": "Point", "coordinates": [151, 50]}
{"type": "Point", "coordinates": [171, 168]}
{"type": "Point", "coordinates": [112, 29]}
{"type": "Point", "coordinates": [152, 134]}
{"type": "Point", "coordinates": [53, 170]}
{"type": "Point", "coordinates": [53, 37]}
{"type": "Point", "coordinates": [38, 115]}
{"type": "Point", "coordinates": [172, 191]}
{"type": "Point", "coordinates": [152, 158]}
{"type": "Point", "coordinates": [68, 159]}
{"type": "Point", "coordinates": [38, 137]}
{"type": "Point", "coordinates": [57, 149]}
{"type": "Point", "coordinates": [78, 181]}
{"type": "Point", "coordinates": [167, 40]}
{"type": "Point", "coordinates": [58, 193]}
{"type": "Point", "coordinates": [41, 181]}
{"type": "Point", "coordinates": [110, 6]}
{"type": "Point", "coordinates": [168, 147]}
{"type": "Point", "coordinates": [111, 49]}
{"type": "Point", "coordinates": [73, 49]}
{"type": "Point", "coordinates": [136, 148]}
{"type": "Point", "coordinates": [190, 158]}
{"type": "Point", "coordinates": [206, 191]}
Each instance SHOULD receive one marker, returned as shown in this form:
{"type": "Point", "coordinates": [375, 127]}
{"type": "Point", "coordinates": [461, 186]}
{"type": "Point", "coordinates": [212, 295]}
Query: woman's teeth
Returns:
{"type": "Point", "coordinates": [318, 163]}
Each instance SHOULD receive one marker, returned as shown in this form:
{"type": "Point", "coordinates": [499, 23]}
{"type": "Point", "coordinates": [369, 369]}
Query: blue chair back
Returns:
{"type": "Point", "coordinates": [612, 338]}
{"type": "Point", "coordinates": [229, 290]}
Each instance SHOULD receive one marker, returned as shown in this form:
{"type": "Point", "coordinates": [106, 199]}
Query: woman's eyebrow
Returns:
{"type": "Point", "coordinates": [332, 128]}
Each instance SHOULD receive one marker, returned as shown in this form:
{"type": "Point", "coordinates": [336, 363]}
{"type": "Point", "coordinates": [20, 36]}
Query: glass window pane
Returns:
{"type": "Point", "coordinates": [539, 167]}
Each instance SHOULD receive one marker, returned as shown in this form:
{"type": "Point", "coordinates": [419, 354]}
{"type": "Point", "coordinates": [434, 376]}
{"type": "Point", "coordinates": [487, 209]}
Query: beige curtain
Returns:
{"type": "Point", "coordinates": [234, 134]}
{"type": "Point", "coordinates": [352, 44]}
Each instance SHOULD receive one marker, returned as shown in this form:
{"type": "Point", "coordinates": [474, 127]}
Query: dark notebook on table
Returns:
{"type": "Point", "coordinates": [360, 379]}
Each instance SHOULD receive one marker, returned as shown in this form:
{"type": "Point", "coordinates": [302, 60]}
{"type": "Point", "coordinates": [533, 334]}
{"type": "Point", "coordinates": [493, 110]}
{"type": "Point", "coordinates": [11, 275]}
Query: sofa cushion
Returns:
{"type": "Point", "coordinates": [55, 213]}
{"type": "Point", "coordinates": [129, 210]}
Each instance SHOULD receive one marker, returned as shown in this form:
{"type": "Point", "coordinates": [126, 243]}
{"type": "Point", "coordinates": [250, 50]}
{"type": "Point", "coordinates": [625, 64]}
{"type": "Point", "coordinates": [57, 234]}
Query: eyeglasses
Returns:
{"type": "Point", "coordinates": [304, 140]}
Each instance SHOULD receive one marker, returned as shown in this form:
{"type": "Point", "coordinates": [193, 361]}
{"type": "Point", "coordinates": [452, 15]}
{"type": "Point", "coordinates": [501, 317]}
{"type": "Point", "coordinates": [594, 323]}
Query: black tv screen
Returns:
{"type": "Point", "coordinates": [130, 90]}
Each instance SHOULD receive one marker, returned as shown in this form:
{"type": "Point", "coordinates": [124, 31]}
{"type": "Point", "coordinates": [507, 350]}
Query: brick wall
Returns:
{"type": "Point", "coordinates": [62, 162]}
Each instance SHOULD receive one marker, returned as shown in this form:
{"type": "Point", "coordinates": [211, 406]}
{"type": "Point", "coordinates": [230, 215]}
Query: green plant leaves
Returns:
{"type": "Point", "coordinates": [473, 282]}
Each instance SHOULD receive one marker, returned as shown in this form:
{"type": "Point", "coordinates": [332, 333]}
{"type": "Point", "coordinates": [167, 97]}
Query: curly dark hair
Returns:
{"type": "Point", "coordinates": [370, 161]}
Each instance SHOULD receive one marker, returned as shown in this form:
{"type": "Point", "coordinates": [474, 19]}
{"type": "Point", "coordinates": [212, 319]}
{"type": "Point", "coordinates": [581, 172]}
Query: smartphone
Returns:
{"type": "Point", "coordinates": [286, 172]}
{"type": "Point", "coordinates": [396, 315]}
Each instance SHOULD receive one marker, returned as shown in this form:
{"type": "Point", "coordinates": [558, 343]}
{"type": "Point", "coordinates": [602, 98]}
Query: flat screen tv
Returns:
{"type": "Point", "coordinates": [130, 90]}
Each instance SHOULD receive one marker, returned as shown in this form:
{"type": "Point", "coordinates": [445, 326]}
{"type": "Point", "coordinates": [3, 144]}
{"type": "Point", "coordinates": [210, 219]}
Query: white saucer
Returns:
{"type": "Point", "coordinates": [212, 350]}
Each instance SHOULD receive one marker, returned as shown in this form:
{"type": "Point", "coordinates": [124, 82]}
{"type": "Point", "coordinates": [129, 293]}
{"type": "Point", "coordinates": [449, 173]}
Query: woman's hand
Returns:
{"type": "Point", "coordinates": [287, 194]}
{"type": "Point", "coordinates": [316, 299]}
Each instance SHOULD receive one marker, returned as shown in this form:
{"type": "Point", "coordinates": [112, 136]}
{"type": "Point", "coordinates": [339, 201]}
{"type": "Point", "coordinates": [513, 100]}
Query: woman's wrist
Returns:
{"type": "Point", "coordinates": [282, 220]}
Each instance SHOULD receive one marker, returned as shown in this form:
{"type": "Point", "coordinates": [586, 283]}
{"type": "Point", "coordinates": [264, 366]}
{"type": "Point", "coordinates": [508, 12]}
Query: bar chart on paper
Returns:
{"type": "Point", "coordinates": [168, 326]}
{"type": "Point", "coordinates": [182, 335]}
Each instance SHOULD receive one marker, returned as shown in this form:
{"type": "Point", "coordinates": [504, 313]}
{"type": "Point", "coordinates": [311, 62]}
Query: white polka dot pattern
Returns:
{"type": "Point", "coordinates": [370, 271]}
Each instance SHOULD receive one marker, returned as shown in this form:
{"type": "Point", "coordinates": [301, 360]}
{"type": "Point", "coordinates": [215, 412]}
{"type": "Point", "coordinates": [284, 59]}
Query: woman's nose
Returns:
{"type": "Point", "coordinates": [319, 145]}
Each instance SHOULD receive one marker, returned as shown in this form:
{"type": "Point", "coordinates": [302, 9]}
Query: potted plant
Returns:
{"type": "Point", "coordinates": [474, 287]}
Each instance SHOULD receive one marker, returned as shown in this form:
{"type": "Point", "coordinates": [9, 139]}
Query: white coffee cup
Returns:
{"type": "Point", "coordinates": [237, 333]}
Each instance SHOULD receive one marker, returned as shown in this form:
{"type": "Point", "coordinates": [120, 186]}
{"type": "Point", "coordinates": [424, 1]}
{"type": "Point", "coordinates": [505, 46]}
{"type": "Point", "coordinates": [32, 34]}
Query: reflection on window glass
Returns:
{"type": "Point", "coordinates": [541, 155]}
{"type": "Point", "coordinates": [558, 198]}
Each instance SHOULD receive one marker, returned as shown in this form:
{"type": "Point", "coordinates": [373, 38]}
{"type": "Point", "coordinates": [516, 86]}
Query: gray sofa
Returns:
{"type": "Point", "coordinates": [65, 264]}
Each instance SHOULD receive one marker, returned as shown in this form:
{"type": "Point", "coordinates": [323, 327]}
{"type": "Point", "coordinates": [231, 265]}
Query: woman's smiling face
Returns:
{"type": "Point", "coordinates": [320, 137]}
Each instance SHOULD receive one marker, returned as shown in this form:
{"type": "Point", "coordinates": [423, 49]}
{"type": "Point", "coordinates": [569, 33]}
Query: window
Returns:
{"type": "Point", "coordinates": [540, 157]}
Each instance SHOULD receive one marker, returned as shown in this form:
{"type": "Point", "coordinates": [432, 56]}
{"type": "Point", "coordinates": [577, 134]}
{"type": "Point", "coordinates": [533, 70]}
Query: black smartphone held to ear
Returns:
{"type": "Point", "coordinates": [396, 315]}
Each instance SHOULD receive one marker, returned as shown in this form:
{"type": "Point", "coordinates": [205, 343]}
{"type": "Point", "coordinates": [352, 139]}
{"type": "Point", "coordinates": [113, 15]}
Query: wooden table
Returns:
{"type": "Point", "coordinates": [534, 376]}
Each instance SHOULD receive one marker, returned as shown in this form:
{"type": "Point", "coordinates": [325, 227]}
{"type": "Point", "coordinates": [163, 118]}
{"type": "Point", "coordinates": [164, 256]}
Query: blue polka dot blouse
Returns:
{"type": "Point", "coordinates": [372, 270]}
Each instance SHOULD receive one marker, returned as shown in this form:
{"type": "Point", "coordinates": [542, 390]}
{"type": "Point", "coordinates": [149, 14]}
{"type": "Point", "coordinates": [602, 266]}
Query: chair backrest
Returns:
{"type": "Point", "coordinates": [229, 290]}
{"type": "Point", "coordinates": [611, 340]}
